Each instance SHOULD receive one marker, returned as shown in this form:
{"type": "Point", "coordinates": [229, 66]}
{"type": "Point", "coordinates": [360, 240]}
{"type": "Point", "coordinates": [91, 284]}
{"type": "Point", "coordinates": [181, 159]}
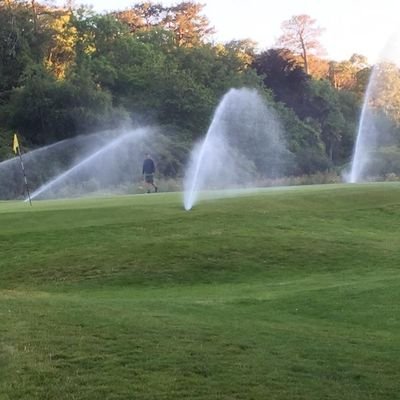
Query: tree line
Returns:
{"type": "Point", "coordinates": [66, 71]}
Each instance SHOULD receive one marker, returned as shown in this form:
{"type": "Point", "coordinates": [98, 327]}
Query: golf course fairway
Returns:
{"type": "Point", "coordinates": [288, 293]}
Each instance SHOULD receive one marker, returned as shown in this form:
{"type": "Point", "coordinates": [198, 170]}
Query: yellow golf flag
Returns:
{"type": "Point", "coordinates": [15, 144]}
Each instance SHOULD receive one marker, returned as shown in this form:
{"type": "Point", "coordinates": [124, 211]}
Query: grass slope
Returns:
{"type": "Point", "coordinates": [283, 294]}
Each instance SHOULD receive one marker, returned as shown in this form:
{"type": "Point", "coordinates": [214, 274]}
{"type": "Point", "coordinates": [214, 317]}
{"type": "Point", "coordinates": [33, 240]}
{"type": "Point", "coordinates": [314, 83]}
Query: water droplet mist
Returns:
{"type": "Point", "coordinates": [107, 162]}
{"type": "Point", "coordinates": [244, 143]}
{"type": "Point", "coordinates": [376, 153]}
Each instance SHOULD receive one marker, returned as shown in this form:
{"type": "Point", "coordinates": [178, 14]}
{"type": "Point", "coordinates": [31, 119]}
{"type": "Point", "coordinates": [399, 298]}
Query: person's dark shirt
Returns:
{"type": "Point", "coordinates": [148, 166]}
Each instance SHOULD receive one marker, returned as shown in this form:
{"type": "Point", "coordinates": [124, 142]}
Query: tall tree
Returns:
{"type": "Point", "coordinates": [323, 106]}
{"type": "Point", "coordinates": [385, 89]}
{"type": "Point", "coordinates": [18, 43]}
{"type": "Point", "coordinates": [61, 47]}
{"type": "Point", "coordinates": [244, 50]}
{"type": "Point", "coordinates": [185, 20]}
{"type": "Point", "coordinates": [283, 75]}
{"type": "Point", "coordinates": [301, 36]}
{"type": "Point", "coordinates": [343, 75]}
{"type": "Point", "coordinates": [142, 16]}
{"type": "Point", "coordinates": [318, 67]}
{"type": "Point", "coordinates": [189, 25]}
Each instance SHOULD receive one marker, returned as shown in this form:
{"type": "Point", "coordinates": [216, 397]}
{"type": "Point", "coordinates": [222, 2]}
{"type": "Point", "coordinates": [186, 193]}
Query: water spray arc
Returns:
{"type": "Point", "coordinates": [198, 158]}
{"type": "Point", "coordinates": [106, 148]}
{"type": "Point", "coordinates": [364, 140]}
{"type": "Point", "coordinates": [244, 141]}
{"type": "Point", "coordinates": [10, 179]}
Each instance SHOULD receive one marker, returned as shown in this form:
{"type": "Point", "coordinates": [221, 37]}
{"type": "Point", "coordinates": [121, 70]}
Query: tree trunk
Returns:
{"type": "Point", "coordinates": [34, 11]}
{"type": "Point", "coordinates": [305, 56]}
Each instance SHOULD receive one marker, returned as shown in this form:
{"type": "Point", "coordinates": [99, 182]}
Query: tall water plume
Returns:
{"type": "Point", "coordinates": [243, 144]}
{"type": "Point", "coordinates": [377, 150]}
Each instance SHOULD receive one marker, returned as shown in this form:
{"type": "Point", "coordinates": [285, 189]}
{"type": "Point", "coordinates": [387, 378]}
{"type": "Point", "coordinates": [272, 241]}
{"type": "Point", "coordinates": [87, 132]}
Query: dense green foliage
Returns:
{"type": "Point", "coordinates": [285, 294]}
{"type": "Point", "coordinates": [68, 71]}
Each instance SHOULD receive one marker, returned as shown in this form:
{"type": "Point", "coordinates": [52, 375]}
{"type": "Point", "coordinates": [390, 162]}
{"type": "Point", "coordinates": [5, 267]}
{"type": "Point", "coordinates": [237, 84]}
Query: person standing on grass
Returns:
{"type": "Point", "coordinates": [148, 173]}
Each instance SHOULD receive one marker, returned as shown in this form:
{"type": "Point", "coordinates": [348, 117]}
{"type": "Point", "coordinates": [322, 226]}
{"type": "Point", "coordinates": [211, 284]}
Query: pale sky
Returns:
{"type": "Point", "coordinates": [351, 26]}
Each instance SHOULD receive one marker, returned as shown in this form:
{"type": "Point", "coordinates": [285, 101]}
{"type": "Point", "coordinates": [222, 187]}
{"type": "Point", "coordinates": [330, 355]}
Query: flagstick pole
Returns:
{"type": "Point", "coordinates": [26, 180]}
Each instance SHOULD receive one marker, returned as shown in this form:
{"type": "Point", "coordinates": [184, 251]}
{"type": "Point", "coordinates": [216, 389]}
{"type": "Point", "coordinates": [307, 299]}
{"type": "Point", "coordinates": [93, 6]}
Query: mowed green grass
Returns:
{"type": "Point", "coordinates": [284, 294]}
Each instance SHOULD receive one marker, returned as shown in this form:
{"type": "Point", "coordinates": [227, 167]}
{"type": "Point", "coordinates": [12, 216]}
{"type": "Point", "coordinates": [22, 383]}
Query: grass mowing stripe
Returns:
{"type": "Point", "coordinates": [280, 294]}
